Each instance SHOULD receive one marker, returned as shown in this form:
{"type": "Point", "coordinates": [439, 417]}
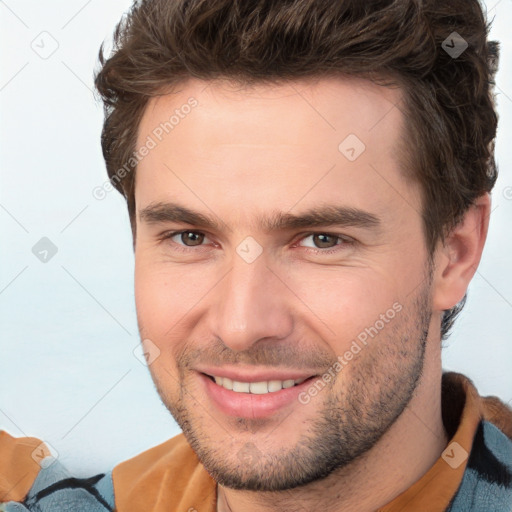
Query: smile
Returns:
{"type": "Point", "coordinates": [256, 399]}
{"type": "Point", "coordinates": [256, 388]}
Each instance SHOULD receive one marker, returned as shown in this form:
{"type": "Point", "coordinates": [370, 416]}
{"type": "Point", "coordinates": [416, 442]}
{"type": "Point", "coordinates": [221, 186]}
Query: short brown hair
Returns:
{"type": "Point", "coordinates": [448, 102]}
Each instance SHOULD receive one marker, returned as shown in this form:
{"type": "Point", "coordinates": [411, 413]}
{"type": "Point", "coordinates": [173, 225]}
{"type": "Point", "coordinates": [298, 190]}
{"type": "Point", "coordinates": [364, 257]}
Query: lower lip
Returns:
{"type": "Point", "coordinates": [249, 405]}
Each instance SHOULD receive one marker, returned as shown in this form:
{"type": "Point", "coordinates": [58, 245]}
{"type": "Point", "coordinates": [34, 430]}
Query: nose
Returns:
{"type": "Point", "coordinates": [252, 303]}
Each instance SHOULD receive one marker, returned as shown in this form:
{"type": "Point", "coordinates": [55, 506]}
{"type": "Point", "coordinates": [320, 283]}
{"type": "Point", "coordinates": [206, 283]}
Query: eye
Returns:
{"type": "Point", "coordinates": [326, 243]}
{"type": "Point", "coordinates": [185, 240]}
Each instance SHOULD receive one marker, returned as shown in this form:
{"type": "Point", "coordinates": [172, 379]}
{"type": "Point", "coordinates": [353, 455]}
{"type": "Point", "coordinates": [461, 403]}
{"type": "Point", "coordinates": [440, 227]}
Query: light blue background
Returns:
{"type": "Point", "coordinates": [68, 327]}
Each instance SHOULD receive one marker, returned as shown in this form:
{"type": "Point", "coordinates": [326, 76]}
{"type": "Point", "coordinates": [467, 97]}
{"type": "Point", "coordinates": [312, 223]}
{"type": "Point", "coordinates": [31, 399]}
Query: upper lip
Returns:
{"type": "Point", "coordinates": [250, 374]}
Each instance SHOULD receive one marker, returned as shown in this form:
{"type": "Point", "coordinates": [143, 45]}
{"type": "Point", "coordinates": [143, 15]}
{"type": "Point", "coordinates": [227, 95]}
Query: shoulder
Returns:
{"type": "Point", "coordinates": [31, 479]}
{"type": "Point", "coordinates": [19, 465]}
{"type": "Point", "coordinates": [487, 481]}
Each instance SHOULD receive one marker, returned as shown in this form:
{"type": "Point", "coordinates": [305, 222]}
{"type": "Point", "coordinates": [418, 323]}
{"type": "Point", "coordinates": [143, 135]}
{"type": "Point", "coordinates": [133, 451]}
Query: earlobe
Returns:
{"type": "Point", "coordinates": [458, 258]}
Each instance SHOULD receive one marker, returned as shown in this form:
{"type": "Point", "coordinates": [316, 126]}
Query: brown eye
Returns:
{"type": "Point", "coordinates": [324, 241]}
{"type": "Point", "coordinates": [191, 238]}
{"type": "Point", "coordinates": [185, 241]}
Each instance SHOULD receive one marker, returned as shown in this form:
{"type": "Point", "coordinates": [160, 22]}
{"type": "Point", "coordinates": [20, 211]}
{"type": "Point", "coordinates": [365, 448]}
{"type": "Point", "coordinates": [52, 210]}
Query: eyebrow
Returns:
{"type": "Point", "coordinates": [163, 212]}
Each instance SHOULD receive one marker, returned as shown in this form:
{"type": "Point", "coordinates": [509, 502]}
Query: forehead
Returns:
{"type": "Point", "coordinates": [333, 104]}
{"type": "Point", "coordinates": [273, 139]}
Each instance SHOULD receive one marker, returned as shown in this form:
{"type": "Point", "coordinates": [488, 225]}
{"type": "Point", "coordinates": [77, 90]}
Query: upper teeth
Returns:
{"type": "Point", "coordinates": [257, 388]}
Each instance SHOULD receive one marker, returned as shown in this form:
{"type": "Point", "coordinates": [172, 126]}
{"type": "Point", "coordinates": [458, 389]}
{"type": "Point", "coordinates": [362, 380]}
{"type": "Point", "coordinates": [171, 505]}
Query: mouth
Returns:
{"type": "Point", "coordinates": [255, 399]}
{"type": "Point", "coordinates": [256, 388]}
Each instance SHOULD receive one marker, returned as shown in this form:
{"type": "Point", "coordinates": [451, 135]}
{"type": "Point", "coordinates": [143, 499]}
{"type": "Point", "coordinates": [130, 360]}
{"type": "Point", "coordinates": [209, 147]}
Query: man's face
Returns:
{"type": "Point", "coordinates": [258, 299]}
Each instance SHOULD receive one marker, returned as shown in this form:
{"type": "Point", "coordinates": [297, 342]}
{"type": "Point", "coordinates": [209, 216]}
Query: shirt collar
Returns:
{"type": "Point", "coordinates": [462, 411]}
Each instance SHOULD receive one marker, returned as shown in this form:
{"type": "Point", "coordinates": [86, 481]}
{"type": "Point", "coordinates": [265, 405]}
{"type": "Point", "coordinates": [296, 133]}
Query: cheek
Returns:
{"type": "Point", "coordinates": [154, 298]}
{"type": "Point", "coordinates": [343, 301]}
{"type": "Point", "coordinates": [164, 294]}
{"type": "Point", "coordinates": [163, 300]}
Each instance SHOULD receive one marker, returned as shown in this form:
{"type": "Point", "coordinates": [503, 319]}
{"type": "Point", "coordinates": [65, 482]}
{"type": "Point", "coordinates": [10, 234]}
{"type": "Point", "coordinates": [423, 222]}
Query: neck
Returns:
{"type": "Point", "coordinates": [400, 458]}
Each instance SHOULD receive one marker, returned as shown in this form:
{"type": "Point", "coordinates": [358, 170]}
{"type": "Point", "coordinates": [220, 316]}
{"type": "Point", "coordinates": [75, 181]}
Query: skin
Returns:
{"type": "Point", "coordinates": [246, 152]}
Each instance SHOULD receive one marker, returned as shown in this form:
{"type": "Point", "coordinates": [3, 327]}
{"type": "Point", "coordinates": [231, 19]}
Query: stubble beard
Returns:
{"type": "Point", "coordinates": [360, 406]}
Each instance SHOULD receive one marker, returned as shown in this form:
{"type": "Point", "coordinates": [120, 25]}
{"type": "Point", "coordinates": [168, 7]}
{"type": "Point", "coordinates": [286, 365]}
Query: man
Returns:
{"type": "Point", "coordinates": [308, 188]}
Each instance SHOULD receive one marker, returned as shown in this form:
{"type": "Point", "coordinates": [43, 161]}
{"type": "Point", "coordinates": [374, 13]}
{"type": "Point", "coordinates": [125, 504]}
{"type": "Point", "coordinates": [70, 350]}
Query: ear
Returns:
{"type": "Point", "coordinates": [457, 259]}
